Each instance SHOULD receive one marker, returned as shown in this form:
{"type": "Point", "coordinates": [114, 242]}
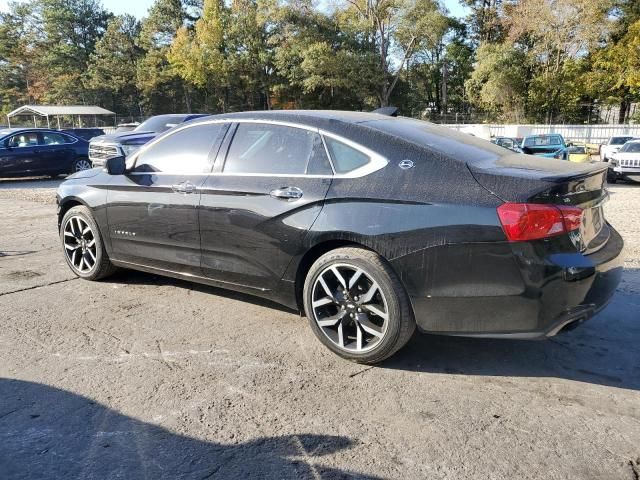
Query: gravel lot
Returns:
{"type": "Point", "coordinates": [146, 377]}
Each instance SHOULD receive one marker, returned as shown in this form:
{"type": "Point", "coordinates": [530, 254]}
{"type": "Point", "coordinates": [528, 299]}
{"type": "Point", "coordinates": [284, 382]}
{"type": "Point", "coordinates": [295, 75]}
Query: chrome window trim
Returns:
{"type": "Point", "coordinates": [64, 135]}
{"type": "Point", "coordinates": [376, 161]}
{"type": "Point", "coordinates": [75, 139]}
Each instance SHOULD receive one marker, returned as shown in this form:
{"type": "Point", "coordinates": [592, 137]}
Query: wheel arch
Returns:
{"type": "Point", "coordinates": [66, 205]}
{"type": "Point", "coordinates": [313, 254]}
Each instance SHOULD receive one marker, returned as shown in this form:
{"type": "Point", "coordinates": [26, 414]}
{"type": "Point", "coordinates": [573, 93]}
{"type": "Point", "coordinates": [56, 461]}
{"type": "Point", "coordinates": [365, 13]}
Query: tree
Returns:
{"type": "Point", "coordinates": [161, 88]}
{"type": "Point", "coordinates": [112, 70]}
{"type": "Point", "coordinates": [562, 33]}
{"type": "Point", "coordinates": [485, 21]}
{"type": "Point", "coordinates": [615, 75]}
{"type": "Point", "coordinates": [395, 30]}
{"type": "Point", "coordinates": [497, 83]}
{"type": "Point", "coordinates": [67, 32]}
{"type": "Point", "coordinates": [197, 55]}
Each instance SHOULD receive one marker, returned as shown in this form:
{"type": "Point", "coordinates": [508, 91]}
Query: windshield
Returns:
{"type": "Point", "coordinates": [542, 140]}
{"type": "Point", "coordinates": [631, 147]}
{"type": "Point", "coordinates": [160, 123]}
{"type": "Point", "coordinates": [620, 140]}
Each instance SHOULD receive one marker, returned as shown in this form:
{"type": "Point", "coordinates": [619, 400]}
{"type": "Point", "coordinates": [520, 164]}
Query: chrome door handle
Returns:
{"type": "Point", "coordinates": [184, 187]}
{"type": "Point", "coordinates": [286, 193]}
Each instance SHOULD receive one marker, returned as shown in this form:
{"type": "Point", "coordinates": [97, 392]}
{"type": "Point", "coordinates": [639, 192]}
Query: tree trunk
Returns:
{"type": "Point", "coordinates": [187, 99]}
{"type": "Point", "coordinates": [624, 108]}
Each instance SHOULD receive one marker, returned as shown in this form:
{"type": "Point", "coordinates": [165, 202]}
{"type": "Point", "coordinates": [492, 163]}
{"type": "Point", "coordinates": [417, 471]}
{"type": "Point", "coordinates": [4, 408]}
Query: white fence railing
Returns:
{"type": "Point", "coordinates": [578, 133]}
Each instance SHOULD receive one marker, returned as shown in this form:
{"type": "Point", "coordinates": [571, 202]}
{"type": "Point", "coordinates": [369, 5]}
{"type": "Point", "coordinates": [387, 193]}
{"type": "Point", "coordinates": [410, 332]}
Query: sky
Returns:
{"type": "Point", "coordinates": [139, 8]}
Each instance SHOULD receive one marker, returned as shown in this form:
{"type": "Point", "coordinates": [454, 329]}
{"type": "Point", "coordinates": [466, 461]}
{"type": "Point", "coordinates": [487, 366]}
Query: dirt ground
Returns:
{"type": "Point", "coordinates": [146, 377]}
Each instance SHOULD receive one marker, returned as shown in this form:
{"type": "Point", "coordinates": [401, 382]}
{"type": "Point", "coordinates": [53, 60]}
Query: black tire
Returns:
{"type": "Point", "coordinates": [611, 178]}
{"type": "Point", "coordinates": [80, 164]}
{"type": "Point", "coordinates": [102, 267]}
{"type": "Point", "coordinates": [400, 323]}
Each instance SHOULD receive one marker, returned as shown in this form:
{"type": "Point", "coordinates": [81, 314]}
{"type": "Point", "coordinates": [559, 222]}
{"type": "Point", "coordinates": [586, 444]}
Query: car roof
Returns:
{"type": "Point", "coordinates": [367, 127]}
{"type": "Point", "coordinates": [183, 115]}
{"type": "Point", "coordinates": [309, 117]}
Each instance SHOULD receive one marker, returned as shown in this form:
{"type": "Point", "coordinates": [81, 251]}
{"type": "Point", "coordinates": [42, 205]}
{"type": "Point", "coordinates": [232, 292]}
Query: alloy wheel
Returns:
{"type": "Point", "coordinates": [81, 165]}
{"type": "Point", "coordinates": [350, 308]}
{"type": "Point", "coordinates": [80, 244]}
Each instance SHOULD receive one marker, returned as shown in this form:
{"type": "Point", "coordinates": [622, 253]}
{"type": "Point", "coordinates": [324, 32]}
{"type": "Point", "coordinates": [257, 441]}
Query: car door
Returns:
{"type": "Point", "coordinates": [152, 209]}
{"type": "Point", "coordinates": [56, 153]}
{"type": "Point", "coordinates": [267, 189]}
{"type": "Point", "coordinates": [20, 154]}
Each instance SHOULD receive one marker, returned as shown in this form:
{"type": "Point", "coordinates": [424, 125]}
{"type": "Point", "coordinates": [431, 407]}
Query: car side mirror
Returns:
{"type": "Point", "coordinates": [115, 166]}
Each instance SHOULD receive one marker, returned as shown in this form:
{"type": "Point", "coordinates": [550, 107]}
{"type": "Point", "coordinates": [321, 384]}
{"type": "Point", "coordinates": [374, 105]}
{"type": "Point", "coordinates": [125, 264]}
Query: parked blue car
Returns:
{"type": "Point", "coordinates": [543, 144]}
{"type": "Point", "coordinates": [31, 152]}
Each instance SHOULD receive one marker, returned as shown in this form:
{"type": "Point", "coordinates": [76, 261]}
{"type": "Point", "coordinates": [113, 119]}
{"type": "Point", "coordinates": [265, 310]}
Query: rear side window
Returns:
{"type": "Point", "coordinates": [183, 152]}
{"type": "Point", "coordinates": [49, 138]}
{"type": "Point", "coordinates": [344, 157]}
{"type": "Point", "coordinates": [262, 148]}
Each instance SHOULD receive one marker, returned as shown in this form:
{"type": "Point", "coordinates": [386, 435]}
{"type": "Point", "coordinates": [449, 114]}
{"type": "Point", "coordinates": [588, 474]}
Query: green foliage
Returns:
{"type": "Point", "coordinates": [113, 65]}
{"type": "Point", "coordinates": [498, 82]}
{"type": "Point", "coordinates": [521, 60]}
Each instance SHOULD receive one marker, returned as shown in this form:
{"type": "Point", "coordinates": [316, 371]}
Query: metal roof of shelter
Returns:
{"type": "Point", "coordinates": [52, 110]}
{"type": "Point", "coordinates": [57, 111]}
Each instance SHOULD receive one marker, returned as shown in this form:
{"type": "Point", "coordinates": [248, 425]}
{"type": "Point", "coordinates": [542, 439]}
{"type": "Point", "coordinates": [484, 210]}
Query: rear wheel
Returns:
{"type": "Point", "coordinates": [357, 306]}
{"type": "Point", "coordinates": [80, 164]}
{"type": "Point", "coordinates": [82, 244]}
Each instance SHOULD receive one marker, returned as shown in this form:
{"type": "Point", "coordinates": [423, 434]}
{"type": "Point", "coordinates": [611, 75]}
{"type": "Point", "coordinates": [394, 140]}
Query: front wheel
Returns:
{"type": "Point", "coordinates": [80, 164]}
{"type": "Point", "coordinates": [357, 306]}
{"type": "Point", "coordinates": [82, 245]}
{"type": "Point", "coordinates": [611, 178]}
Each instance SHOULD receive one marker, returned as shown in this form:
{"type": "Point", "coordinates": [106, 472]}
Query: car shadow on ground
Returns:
{"type": "Point", "coordinates": [46, 432]}
{"type": "Point", "coordinates": [133, 277]}
{"type": "Point", "coordinates": [603, 351]}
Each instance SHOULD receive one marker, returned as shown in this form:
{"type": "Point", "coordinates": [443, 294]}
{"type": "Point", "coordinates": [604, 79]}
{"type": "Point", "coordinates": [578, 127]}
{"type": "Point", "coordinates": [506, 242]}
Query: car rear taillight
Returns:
{"type": "Point", "coordinates": [532, 221]}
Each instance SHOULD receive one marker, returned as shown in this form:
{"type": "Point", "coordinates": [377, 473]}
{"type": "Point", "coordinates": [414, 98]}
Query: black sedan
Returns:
{"type": "Point", "coordinates": [41, 152]}
{"type": "Point", "coordinates": [369, 224]}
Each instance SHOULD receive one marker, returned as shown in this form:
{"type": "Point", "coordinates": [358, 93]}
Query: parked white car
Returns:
{"type": "Point", "coordinates": [612, 146]}
{"type": "Point", "coordinates": [625, 163]}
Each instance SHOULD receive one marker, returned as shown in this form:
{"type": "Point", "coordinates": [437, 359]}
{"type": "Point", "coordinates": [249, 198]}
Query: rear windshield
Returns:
{"type": "Point", "coordinates": [619, 140]}
{"type": "Point", "coordinates": [631, 147]}
{"type": "Point", "coordinates": [160, 124]}
{"type": "Point", "coordinates": [445, 140]}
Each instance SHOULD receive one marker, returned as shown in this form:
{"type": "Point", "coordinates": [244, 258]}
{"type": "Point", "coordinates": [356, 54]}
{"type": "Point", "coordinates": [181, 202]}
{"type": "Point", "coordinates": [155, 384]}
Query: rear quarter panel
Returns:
{"type": "Point", "coordinates": [434, 223]}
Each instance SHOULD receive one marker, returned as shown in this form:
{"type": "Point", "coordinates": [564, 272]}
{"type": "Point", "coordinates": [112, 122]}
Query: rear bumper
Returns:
{"type": "Point", "coordinates": [557, 292]}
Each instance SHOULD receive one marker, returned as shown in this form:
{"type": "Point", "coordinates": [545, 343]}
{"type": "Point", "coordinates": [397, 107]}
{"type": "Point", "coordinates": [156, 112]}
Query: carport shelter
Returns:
{"type": "Point", "coordinates": [57, 111]}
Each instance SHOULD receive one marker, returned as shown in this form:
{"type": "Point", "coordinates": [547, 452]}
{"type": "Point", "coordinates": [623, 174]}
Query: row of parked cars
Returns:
{"type": "Point", "coordinates": [621, 152]}
{"type": "Point", "coordinates": [46, 152]}
{"type": "Point", "coordinates": [27, 152]}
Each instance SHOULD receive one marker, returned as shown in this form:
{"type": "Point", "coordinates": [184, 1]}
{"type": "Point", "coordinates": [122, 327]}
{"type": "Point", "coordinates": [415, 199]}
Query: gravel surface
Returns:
{"type": "Point", "coordinates": [146, 377]}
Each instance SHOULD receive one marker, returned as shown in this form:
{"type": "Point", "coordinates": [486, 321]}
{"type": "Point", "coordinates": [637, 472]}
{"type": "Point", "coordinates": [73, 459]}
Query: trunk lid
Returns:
{"type": "Point", "coordinates": [525, 178]}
